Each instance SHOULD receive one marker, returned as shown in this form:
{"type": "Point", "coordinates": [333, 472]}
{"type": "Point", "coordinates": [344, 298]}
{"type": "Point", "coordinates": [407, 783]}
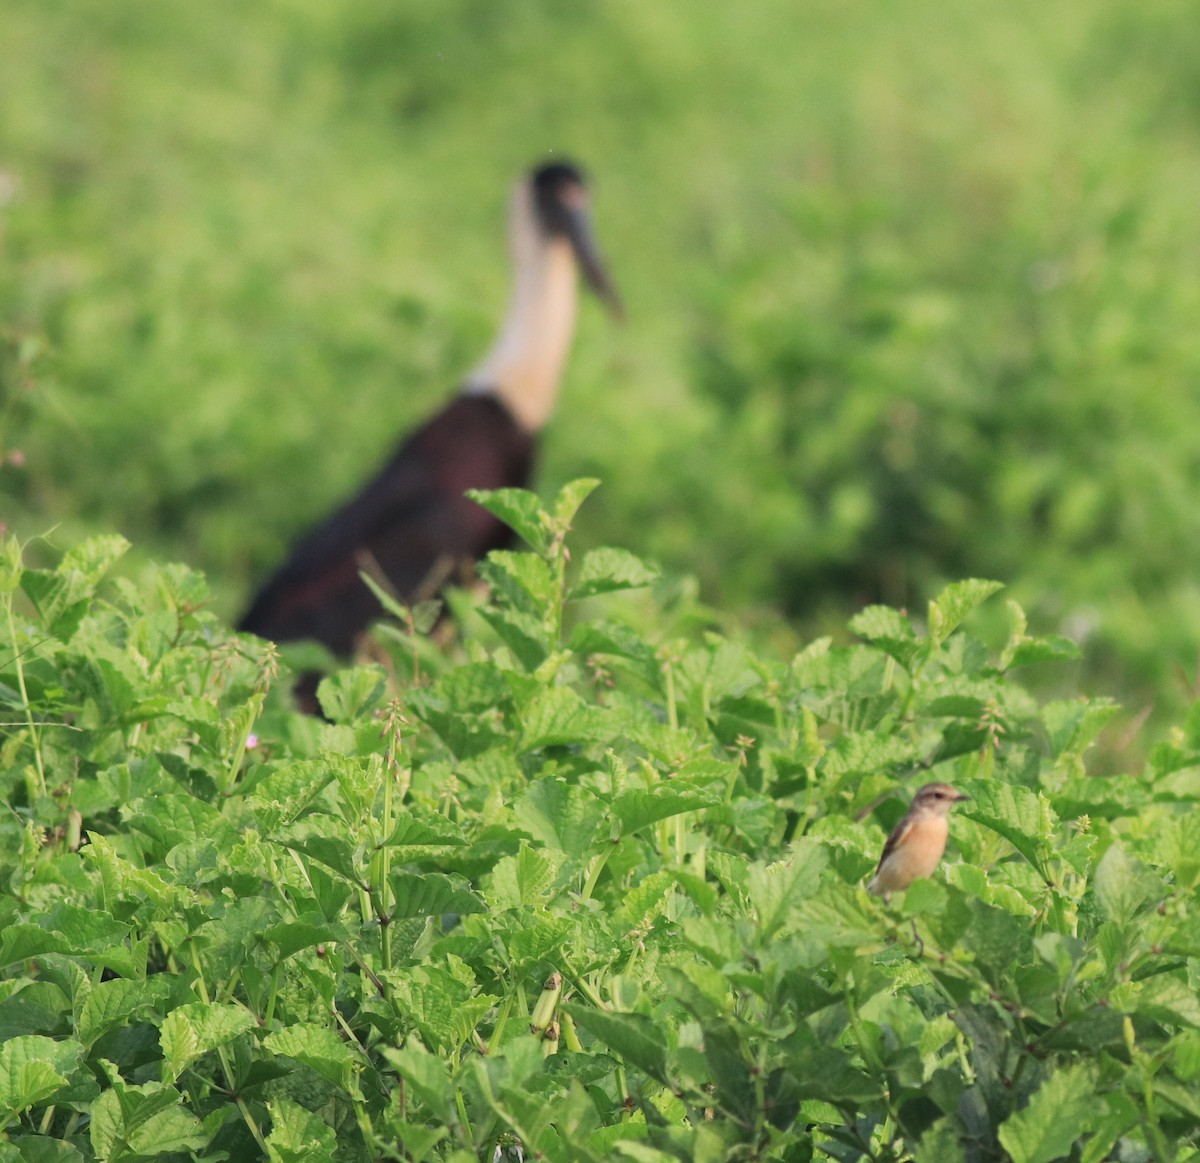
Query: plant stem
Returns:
{"type": "Point", "coordinates": [29, 719]}
{"type": "Point", "coordinates": [594, 870]}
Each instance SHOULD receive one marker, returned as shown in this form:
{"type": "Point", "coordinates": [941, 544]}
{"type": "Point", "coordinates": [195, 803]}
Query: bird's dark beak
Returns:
{"type": "Point", "coordinates": [960, 796]}
{"type": "Point", "coordinates": [583, 243]}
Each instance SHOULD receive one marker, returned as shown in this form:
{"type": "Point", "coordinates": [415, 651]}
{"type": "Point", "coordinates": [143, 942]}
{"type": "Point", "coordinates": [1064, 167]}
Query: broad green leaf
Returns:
{"type": "Point", "coordinates": [608, 570]}
{"type": "Point", "coordinates": [569, 499]}
{"type": "Point", "coordinates": [882, 622]}
{"type": "Point", "coordinates": [318, 1047]}
{"type": "Point", "coordinates": [1179, 848]}
{"type": "Point", "coordinates": [235, 932]}
{"type": "Point", "coordinates": [293, 786]}
{"type": "Point", "coordinates": [639, 807]}
{"type": "Point", "coordinates": [528, 637]}
{"type": "Point", "coordinates": [427, 834]}
{"type": "Point", "coordinates": [445, 1007]}
{"type": "Point", "coordinates": [1164, 998]}
{"type": "Point", "coordinates": [1182, 1097]}
{"type": "Point", "coordinates": [142, 1121]}
{"type": "Point", "coordinates": [22, 941]}
{"type": "Point", "coordinates": [521, 880]}
{"type": "Point", "coordinates": [558, 716]}
{"type": "Point", "coordinates": [293, 936]}
{"type": "Point", "coordinates": [870, 753]}
{"type": "Point", "coordinates": [619, 641]}
{"type": "Point", "coordinates": [194, 862]}
{"type": "Point", "coordinates": [426, 1073]}
{"type": "Point", "coordinates": [1123, 885]}
{"type": "Point", "coordinates": [522, 580]}
{"type": "Point", "coordinates": [203, 718]}
{"type": "Point", "coordinates": [701, 989]}
{"type": "Point", "coordinates": [540, 940]}
{"type": "Point", "coordinates": [121, 877]}
{"type": "Point", "coordinates": [1053, 648]}
{"type": "Point", "coordinates": [110, 1004]}
{"type": "Point", "coordinates": [417, 1140]}
{"type": "Point", "coordinates": [170, 1131]}
{"type": "Point", "coordinates": [891, 631]}
{"type": "Point", "coordinates": [633, 1037]}
{"type": "Point", "coordinates": [776, 890]}
{"type": "Point", "coordinates": [191, 1030]}
{"type": "Point", "coordinates": [32, 1068]}
{"type": "Point", "coordinates": [1063, 1109]}
{"type": "Point", "coordinates": [351, 693]}
{"type": "Point", "coordinates": [1120, 1117]}
{"type": "Point", "coordinates": [298, 1135]}
{"type": "Point", "coordinates": [835, 914]}
{"type": "Point", "coordinates": [37, 1149]}
{"type": "Point", "coordinates": [169, 820]}
{"type": "Point", "coordinates": [333, 852]}
{"type": "Point", "coordinates": [431, 895]}
{"type": "Point", "coordinates": [93, 558]}
{"type": "Point", "coordinates": [559, 815]}
{"type": "Point", "coordinates": [939, 1144]}
{"type": "Point", "coordinates": [521, 511]}
{"type": "Point", "coordinates": [996, 937]}
{"type": "Point", "coordinates": [1023, 817]}
{"type": "Point", "coordinates": [63, 597]}
{"type": "Point", "coordinates": [106, 1126]}
{"type": "Point", "coordinates": [703, 895]}
{"type": "Point", "coordinates": [465, 707]}
{"type": "Point", "coordinates": [359, 779]}
{"type": "Point", "coordinates": [734, 875]}
{"type": "Point", "coordinates": [1074, 724]}
{"type": "Point", "coordinates": [86, 930]}
{"type": "Point", "coordinates": [922, 897]}
{"type": "Point", "coordinates": [954, 603]}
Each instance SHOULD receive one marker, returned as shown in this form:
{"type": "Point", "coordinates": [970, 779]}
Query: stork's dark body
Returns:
{"type": "Point", "coordinates": [412, 522]}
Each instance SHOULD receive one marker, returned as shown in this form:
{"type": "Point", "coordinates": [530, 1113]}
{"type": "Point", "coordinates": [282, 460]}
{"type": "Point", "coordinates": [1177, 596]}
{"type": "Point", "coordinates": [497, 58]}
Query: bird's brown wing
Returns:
{"type": "Point", "coordinates": [894, 841]}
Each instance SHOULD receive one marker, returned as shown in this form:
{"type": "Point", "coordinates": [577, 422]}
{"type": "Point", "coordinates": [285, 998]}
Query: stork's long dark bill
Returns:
{"type": "Point", "coordinates": [583, 242]}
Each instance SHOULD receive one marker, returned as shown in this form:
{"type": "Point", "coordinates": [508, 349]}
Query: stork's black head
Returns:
{"type": "Point", "coordinates": [559, 189]}
{"type": "Point", "coordinates": [560, 199]}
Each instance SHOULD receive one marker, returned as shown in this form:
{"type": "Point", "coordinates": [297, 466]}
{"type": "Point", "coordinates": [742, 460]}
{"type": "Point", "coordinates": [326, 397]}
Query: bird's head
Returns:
{"type": "Point", "coordinates": [938, 798]}
{"type": "Point", "coordinates": [561, 208]}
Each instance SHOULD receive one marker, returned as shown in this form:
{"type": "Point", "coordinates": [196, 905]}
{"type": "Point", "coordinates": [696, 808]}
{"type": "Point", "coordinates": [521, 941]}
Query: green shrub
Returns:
{"type": "Point", "coordinates": [590, 883]}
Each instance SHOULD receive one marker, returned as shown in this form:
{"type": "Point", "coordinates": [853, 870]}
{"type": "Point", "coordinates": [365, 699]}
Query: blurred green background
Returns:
{"type": "Point", "coordinates": [913, 289]}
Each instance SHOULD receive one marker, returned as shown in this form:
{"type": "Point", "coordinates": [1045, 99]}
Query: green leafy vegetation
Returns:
{"type": "Point", "coordinates": [588, 882]}
{"type": "Point", "coordinates": [912, 295]}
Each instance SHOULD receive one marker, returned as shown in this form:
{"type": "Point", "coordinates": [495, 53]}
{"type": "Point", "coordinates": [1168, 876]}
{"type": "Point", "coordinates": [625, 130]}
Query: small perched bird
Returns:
{"type": "Point", "coordinates": [410, 525]}
{"type": "Point", "coordinates": [918, 841]}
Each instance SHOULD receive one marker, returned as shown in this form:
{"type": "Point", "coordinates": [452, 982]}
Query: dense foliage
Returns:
{"type": "Point", "coordinates": [587, 882]}
{"type": "Point", "coordinates": [912, 288]}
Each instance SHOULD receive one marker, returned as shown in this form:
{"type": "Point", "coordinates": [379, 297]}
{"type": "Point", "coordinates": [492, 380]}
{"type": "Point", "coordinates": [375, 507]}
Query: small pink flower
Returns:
{"type": "Point", "coordinates": [251, 742]}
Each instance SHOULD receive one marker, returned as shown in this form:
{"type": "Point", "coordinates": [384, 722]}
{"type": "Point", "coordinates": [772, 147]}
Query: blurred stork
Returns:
{"type": "Point", "coordinates": [411, 524]}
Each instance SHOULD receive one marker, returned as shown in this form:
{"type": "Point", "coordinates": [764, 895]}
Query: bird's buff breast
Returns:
{"type": "Point", "coordinates": [916, 857]}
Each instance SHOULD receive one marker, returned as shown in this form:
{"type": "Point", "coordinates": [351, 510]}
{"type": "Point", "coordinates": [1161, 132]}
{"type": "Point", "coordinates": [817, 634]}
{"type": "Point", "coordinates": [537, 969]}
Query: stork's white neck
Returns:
{"type": "Point", "coordinates": [526, 361]}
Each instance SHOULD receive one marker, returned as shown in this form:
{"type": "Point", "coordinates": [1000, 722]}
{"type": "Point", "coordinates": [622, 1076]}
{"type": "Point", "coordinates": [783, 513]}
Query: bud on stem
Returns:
{"type": "Point", "coordinates": [543, 1012]}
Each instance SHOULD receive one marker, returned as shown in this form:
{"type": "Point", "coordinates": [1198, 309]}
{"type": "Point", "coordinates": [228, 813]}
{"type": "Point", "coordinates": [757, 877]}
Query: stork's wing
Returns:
{"type": "Point", "coordinates": [409, 519]}
{"type": "Point", "coordinates": [328, 558]}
